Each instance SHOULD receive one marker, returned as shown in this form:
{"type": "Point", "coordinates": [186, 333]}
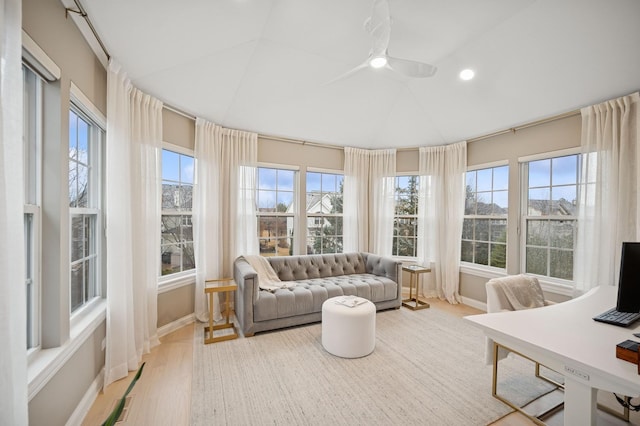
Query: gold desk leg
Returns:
{"type": "Point", "coordinates": [494, 386]}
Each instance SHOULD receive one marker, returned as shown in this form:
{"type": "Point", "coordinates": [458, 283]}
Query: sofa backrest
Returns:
{"type": "Point", "coordinates": [292, 268]}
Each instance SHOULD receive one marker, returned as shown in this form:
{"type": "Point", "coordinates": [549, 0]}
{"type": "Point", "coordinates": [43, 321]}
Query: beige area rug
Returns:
{"type": "Point", "coordinates": [427, 369]}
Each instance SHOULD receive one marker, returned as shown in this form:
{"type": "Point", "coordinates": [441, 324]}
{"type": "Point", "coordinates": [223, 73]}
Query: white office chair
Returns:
{"type": "Point", "coordinates": [513, 293]}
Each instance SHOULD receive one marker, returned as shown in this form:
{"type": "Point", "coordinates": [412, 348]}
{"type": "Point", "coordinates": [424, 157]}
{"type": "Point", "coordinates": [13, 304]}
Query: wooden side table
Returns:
{"type": "Point", "coordinates": [414, 276]}
{"type": "Point", "coordinates": [222, 285]}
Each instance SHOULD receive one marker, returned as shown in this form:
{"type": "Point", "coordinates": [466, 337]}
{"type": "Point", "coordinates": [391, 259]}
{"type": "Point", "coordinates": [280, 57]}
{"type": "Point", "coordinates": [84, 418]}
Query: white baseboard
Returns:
{"type": "Point", "coordinates": [175, 325]}
{"type": "Point", "coordinates": [474, 303]}
{"type": "Point", "coordinates": [87, 401]}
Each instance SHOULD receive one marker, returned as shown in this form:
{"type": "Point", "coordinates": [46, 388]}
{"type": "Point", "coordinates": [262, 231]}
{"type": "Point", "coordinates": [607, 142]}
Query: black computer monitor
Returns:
{"type": "Point", "coordinates": [629, 284]}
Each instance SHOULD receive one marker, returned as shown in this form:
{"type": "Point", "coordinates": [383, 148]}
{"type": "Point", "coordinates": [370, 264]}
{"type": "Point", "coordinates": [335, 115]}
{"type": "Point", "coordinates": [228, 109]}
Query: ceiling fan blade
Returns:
{"type": "Point", "coordinates": [348, 73]}
{"type": "Point", "coordinates": [410, 68]}
{"type": "Point", "coordinates": [379, 26]}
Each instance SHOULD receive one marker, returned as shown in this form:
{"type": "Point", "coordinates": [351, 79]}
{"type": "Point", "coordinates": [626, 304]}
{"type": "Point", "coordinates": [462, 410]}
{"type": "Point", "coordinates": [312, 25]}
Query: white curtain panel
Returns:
{"type": "Point", "coordinates": [134, 135]}
{"type": "Point", "coordinates": [441, 212]}
{"type": "Point", "coordinates": [368, 206]}
{"type": "Point", "coordinates": [355, 205]}
{"type": "Point", "coordinates": [608, 202]}
{"type": "Point", "coordinates": [146, 144]}
{"type": "Point", "coordinates": [382, 174]}
{"type": "Point", "coordinates": [224, 207]}
{"type": "Point", "coordinates": [13, 361]}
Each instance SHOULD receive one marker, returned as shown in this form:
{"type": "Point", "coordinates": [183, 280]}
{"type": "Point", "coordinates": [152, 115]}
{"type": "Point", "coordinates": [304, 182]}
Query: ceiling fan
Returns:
{"type": "Point", "coordinates": [379, 26]}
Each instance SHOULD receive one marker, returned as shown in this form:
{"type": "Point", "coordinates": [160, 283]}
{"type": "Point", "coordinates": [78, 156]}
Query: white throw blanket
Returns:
{"type": "Point", "coordinates": [522, 293]}
{"type": "Point", "coordinates": [267, 277]}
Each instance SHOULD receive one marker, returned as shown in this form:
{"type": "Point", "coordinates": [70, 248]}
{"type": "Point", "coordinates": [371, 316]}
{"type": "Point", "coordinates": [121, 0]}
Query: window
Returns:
{"type": "Point", "coordinates": [176, 247]}
{"type": "Point", "coordinates": [85, 145]}
{"type": "Point", "coordinates": [324, 212]}
{"type": "Point", "coordinates": [32, 146]}
{"type": "Point", "coordinates": [550, 216]}
{"type": "Point", "coordinates": [275, 197]}
{"type": "Point", "coordinates": [405, 221]}
{"type": "Point", "coordinates": [484, 230]}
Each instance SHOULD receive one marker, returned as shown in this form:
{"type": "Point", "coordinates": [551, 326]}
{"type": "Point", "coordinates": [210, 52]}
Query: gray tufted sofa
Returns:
{"type": "Point", "coordinates": [318, 278]}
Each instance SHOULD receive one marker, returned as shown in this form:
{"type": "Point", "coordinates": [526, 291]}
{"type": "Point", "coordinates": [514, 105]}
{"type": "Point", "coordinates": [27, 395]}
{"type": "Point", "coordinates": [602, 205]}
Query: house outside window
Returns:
{"type": "Point", "coordinates": [484, 230]}
{"type": "Point", "coordinates": [85, 145]}
{"type": "Point", "coordinates": [324, 212]}
{"type": "Point", "coordinates": [32, 148]}
{"type": "Point", "coordinates": [276, 210]}
{"type": "Point", "coordinates": [405, 221]}
{"type": "Point", "coordinates": [550, 216]}
{"type": "Point", "coordinates": [176, 242]}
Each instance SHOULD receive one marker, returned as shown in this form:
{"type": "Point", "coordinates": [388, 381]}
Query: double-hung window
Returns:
{"type": "Point", "coordinates": [324, 212]}
{"type": "Point", "coordinates": [32, 148]}
{"type": "Point", "coordinates": [276, 210]}
{"type": "Point", "coordinates": [549, 205]}
{"type": "Point", "coordinates": [176, 247]}
{"type": "Point", "coordinates": [85, 207]}
{"type": "Point", "coordinates": [484, 230]}
{"type": "Point", "coordinates": [405, 221]}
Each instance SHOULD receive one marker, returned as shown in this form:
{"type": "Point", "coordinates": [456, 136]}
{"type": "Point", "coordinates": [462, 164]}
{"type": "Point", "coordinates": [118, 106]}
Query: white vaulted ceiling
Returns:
{"type": "Point", "coordinates": [267, 65]}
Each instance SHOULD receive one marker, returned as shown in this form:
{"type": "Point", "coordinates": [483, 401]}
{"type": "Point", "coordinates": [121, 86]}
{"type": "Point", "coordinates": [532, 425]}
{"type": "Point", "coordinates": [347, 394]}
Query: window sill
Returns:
{"type": "Point", "coordinates": [166, 285]}
{"type": "Point", "coordinates": [47, 362]}
{"type": "Point", "coordinates": [547, 284]}
{"type": "Point", "coordinates": [482, 271]}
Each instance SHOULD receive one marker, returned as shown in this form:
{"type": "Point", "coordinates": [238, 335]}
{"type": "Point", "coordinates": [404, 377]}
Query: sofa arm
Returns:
{"type": "Point", "coordinates": [248, 292]}
{"type": "Point", "coordinates": [385, 267]}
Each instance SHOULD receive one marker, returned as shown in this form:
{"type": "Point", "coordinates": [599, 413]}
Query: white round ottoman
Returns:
{"type": "Point", "coordinates": [348, 332]}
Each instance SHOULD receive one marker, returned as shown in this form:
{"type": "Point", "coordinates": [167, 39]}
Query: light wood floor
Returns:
{"type": "Point", "coordinates": [162, 396]}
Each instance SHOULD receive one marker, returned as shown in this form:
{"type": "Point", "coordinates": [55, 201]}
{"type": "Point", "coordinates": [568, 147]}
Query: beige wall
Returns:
{"type": "Point", "coordinates": [45, 22]}
{"type": "Point", "coordinates": [178, 129]}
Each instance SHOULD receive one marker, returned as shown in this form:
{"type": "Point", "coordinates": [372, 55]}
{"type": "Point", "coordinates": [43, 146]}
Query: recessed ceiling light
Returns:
{"type": "Point", "coordinates": [378, 62]}
{"type": "Point", "coordinates": [467, 74]}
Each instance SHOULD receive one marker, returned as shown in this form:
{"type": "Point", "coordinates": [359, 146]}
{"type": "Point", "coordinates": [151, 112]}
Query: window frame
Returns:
{"type": "Point", "coordinates": [32, 146]}
{"type": "Point", "coordinates": [415, 216]}
{"type": "Point", "coordinates": [480, 266]}
{"type": "Point", "coordinates": [187, 276]}
{"type": "Point", "coordinates": [558, 285]}
{"type": "Point", "coordinates": [296, 242]}
{"type": "Point", "coordinates": [94, 209]}
{"type": "Point", "coordinates": [318, 218]}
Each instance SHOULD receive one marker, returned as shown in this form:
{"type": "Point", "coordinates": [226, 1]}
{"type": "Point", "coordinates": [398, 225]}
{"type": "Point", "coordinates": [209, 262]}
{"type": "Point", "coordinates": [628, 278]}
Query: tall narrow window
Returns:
{"type": "Point", "coordinates": [176, 248]}
{"type": "Point", "coordinates": [32, 148]}
{"type": "Point", "coordinates": [550, 216]}
{"type": "Point", "coordinates": [85, 145]}
{"type": "Point", "coordinates": [484, 230]}
{"type": "Point", "coordinates": [324, 212]}
{"type": "Point", "coordinates": [405, 221]}
{"type": "Point", "coordinates": [276, 195]}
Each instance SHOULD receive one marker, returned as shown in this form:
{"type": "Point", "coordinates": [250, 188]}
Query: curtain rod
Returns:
{"type": "Point", "coordinates": [83, 13]}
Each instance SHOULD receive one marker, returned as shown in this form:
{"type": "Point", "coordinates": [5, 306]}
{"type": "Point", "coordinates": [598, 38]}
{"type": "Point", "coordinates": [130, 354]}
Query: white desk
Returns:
{"type": "Point", "coordinates": [565, 338]}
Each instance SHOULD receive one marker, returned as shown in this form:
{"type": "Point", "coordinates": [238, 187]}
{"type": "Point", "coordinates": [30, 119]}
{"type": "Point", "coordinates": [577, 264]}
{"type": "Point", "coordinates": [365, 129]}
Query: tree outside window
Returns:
{"type": "Point", "coordinates": [405, 221]}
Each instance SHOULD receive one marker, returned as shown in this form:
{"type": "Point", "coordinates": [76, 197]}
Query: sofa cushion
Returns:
{"type": "Point", "coordinates": [309, 294]}
{"type": "Point", "coordinates": [295, 268]}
